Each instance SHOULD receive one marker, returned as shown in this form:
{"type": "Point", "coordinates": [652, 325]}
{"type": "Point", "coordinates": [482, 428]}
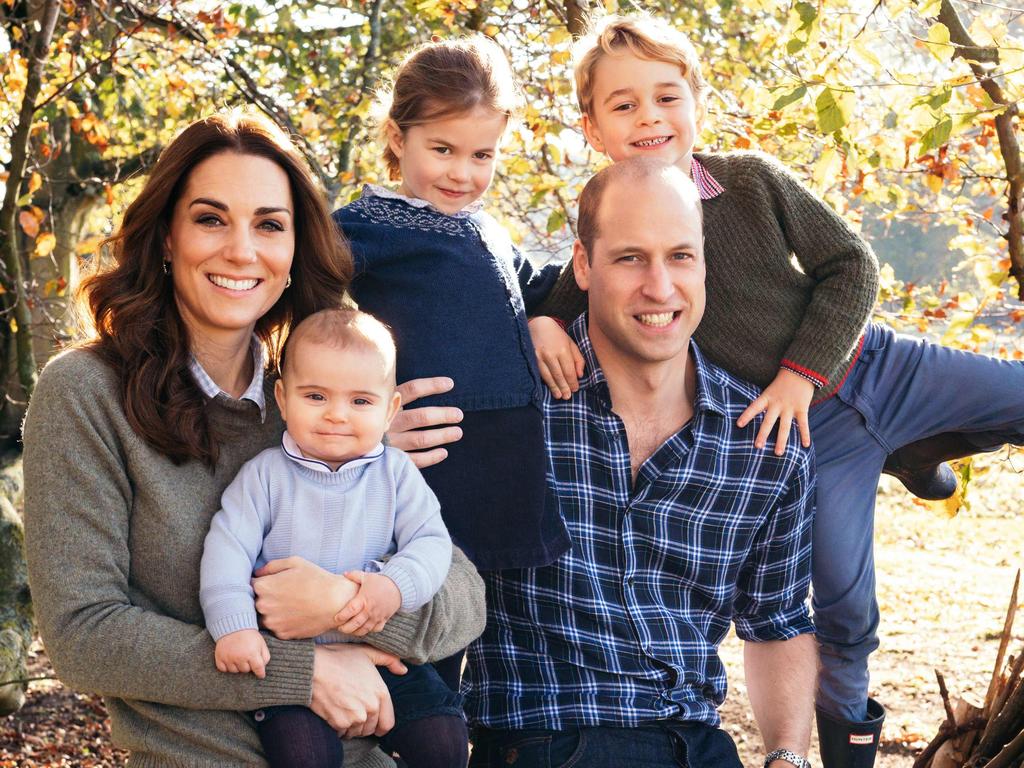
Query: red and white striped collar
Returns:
{"type": "Point", "coordinates": [707, 185]}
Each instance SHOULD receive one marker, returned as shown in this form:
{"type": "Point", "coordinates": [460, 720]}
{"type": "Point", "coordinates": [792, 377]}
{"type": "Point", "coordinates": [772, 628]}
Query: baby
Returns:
{"type": "Point", "coordinates": [333, 494]}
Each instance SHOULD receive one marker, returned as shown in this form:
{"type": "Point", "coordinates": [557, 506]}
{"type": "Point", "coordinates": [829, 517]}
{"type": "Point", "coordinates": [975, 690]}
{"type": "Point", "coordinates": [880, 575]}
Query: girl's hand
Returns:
{"type": "Point", "coordinates": [785, 400]}
{"type": "Point", "coordinates": [407, 431]}
{"type": "Point", "coordinates": [296, 598]}
{"type": "Point", "coordinates": [377, 600]}
{"type": "Point", "coordinates": [242, 651]}
{"type": "Point", "coordinates": [558, 358]}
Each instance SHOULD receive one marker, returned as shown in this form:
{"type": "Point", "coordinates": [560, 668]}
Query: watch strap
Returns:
{"type": "Point", "coordinates": [790, 757]}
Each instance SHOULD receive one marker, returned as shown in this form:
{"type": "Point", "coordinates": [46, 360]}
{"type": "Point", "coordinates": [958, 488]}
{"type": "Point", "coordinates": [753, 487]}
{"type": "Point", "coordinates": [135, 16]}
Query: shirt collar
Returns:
{"type": "Point", "coordinates": [711, 386]}
{"type": "Point", "coordinates": [374, 190]}
{"type": "Point", "coordinates": [707, 185]}
{"type": "Point", "coordinates": [292, 450]}
{"type": "Point", "coordinates": [254, 392]}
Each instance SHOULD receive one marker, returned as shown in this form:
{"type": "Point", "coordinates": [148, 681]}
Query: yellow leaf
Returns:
{"type": "Point", "coordinates": [934, 183]}
{"type": "Point", "coordinates": [310, 122]}
{"type": "Point", "coordinates": [14, 325]}
{"type": "Point", "coordinates": [1011, 58]}
{"type": "Point", "coordinates": [929, 8]}
{"type": "Point", "coordinates": [45, 244]}
{"type": "Point", "coordinates": [89, 245]}
{"type": "Point", "coordinates": [861, 47]}
{"type": "Point", "coordinates": [827, 168]}
{"type": "Point", "coordinates": [962, 79]}
{"type": "Point", "coordinates": [34, 183]}
{"type": "Point", "coordinates": [959, 324]}
{"type": "Point", "coordinates": [938, 42]}
{"type": "Point", "coordinates": [948, 507]}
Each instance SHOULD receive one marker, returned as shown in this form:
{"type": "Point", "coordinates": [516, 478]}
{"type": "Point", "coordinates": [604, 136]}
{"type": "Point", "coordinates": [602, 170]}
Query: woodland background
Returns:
{"type": "Point", "coordinates": [903, 115]}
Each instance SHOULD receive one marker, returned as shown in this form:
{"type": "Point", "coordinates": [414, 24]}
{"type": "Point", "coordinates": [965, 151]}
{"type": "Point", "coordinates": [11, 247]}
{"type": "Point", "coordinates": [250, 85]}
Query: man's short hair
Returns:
{"type": "Point", "coordinates": [645, 37]}
{"type": "Point", "coordinates": [632, 169]}
{"type": "Point", "coordinates": [342, 329]}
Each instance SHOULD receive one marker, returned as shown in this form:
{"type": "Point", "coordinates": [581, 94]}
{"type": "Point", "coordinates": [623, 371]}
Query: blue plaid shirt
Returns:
{"type": "Point", "coordinates": [625, 627]}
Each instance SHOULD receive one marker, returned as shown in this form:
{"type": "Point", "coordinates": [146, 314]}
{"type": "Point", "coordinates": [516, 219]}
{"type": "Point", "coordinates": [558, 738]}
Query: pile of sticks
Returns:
{"type": "Point", "coordinates": [990, 735]}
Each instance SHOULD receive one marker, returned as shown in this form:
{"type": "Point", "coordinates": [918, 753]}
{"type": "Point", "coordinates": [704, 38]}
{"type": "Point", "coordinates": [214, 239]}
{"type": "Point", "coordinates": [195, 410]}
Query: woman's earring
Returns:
{"type": "Point", "coordinates": [167, 267]}
{"type": "Point", "coordinates": [288, 282]}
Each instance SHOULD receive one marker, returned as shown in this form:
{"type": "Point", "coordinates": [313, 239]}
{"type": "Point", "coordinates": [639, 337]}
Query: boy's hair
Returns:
{"type": "Point", "coordinates": [342, 329]}
{"type": "Point", "coordinates": [643, 36]}
{"type": "Point", "coordinates": [446, 78]}
{"type": "Point", "coordinates": [632, 169]}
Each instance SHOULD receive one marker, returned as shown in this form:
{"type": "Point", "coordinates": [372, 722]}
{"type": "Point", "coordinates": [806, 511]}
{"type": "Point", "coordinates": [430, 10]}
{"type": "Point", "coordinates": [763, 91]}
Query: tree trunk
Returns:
{"type": "Point", "coordinates": [16, 298]}
{"type": "Point", "coordinates": [15, 602]}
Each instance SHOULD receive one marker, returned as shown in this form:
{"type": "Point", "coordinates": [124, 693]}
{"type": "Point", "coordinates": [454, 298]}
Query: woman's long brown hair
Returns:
{"type": "Point", "coordinates": [140, 332]}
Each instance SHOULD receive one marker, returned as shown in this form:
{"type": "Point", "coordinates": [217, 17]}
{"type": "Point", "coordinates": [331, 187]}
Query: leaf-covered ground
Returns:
{"type": "Point", "coordinates": [943, 588]}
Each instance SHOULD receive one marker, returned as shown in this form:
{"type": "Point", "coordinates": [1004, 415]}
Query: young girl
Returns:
{"type": "Point", "coordinates": [448, 281]}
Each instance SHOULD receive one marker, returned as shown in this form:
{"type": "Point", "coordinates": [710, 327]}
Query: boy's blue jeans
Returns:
{"type": "Point", "coordinates": [663, 745]}
{"type": "Point", "coordinates": [899, 391]}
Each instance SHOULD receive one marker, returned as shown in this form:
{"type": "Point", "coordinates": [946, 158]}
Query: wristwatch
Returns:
{"type": "Point", "coordinates": [789, 757]}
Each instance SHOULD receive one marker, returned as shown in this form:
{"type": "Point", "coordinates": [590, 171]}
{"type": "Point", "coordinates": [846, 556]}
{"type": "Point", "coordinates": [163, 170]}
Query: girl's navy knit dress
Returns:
{"type": "Point", "coordinates": [455, 293]}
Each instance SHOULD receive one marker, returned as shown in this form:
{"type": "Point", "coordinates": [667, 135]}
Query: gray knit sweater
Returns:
{"type": "Point", "coordinates": [761, 308]}
{"type": "Point", "coordinates": [114, 535]}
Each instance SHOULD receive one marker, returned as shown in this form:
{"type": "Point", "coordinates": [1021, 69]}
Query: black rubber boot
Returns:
{"type": "Point", "coordinates": [845, 744]}
{"type": "Point", "coordinates": [921, 466]}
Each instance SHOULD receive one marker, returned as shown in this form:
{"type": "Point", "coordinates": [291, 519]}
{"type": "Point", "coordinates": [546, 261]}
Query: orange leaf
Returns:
{"type": "Point", "coordinates": [34, 183]}
{"type": "Point", "coordinates": [29, 223]}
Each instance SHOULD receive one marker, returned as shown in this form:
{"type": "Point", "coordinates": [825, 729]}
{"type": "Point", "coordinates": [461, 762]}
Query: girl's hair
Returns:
{"type": "Point", "coordinates": [443, 79]}
{"type": "Point", "coordinates": [139, 330]}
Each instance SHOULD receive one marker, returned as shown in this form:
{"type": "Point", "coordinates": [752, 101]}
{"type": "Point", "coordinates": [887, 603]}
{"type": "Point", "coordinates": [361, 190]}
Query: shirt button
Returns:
{"type": "Point", "coordinates": [630, 581]}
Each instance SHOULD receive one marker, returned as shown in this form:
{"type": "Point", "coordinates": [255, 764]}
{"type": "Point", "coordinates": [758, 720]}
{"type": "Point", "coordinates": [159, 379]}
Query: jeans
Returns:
{"type": "Point", "coordinates": [656, 745]}
{"type": "Point", "coordinates": [900, 390]}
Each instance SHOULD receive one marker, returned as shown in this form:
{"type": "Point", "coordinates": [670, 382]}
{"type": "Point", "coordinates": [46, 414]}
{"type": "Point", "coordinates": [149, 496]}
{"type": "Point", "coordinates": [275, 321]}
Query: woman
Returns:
{"type": "Point", "coordinates": [130, 440]}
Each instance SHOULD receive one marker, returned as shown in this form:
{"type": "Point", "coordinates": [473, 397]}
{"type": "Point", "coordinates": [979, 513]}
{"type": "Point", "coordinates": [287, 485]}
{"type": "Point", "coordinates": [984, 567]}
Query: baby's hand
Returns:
{"type": "Point", "coordinates": [377, 600]}
{"type": "Point", "coordinates": [558, 358]}
{"type": "Point", "coordinates": [242, 651]}
{"type": "Point", "coordinates": [785, 400]}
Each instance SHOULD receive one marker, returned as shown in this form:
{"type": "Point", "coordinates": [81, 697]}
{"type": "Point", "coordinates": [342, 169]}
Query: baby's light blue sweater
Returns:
{"type": "Point", "coordinates": [282, 504]}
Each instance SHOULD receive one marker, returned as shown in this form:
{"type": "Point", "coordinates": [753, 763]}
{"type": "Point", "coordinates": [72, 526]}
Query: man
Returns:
{"type": "Point", "coordinates": [608, 657]}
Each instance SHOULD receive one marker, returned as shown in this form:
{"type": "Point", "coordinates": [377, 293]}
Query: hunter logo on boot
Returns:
{"type": "Point", "coordinates": [862, 738]}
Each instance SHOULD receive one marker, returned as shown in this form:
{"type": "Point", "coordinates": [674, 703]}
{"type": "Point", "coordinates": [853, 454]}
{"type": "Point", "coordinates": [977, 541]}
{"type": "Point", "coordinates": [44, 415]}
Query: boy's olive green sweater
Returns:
{"type": "Point", "coordinates": [114, 534]}
{"type": "Point", "coordinates": [762, 309]}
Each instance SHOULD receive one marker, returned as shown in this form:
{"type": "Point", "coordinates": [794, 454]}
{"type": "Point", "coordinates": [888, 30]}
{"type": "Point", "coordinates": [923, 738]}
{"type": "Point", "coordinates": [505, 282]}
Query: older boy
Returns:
{"type": "Point", "coordinates": [800, 334]}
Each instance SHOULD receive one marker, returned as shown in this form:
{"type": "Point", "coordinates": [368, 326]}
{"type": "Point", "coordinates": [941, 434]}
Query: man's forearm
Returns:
{"type": "Point", "coordinates": [781, 678]}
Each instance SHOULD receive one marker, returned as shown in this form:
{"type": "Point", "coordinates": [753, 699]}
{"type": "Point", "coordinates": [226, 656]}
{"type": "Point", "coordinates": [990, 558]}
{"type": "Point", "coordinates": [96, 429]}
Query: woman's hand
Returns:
{"type": "Point", "coordinates": [296, 598]}
{"type": "Point", "coordinates": [407, 431]}
{"type": "Point", "coordinates": [785, 400]}
{"type": "Point", "coordinates": [348, 691]}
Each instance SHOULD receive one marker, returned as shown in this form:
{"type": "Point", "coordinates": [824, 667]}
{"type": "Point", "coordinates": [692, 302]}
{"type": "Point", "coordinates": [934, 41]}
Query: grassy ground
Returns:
{"type": "Point", "coordinates": [943, 588]}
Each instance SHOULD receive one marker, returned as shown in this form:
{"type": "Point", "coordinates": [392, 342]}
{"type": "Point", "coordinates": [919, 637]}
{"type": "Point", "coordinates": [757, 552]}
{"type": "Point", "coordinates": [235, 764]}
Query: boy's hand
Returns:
{"type": "Point", "coordinates": [558, 358]}
{"type": "Point", "coordinates": [377, 600]}
{"type": "Point", "coordinates": [242, 651]}
{"type": "Point", "coordinates": [785, 400]}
